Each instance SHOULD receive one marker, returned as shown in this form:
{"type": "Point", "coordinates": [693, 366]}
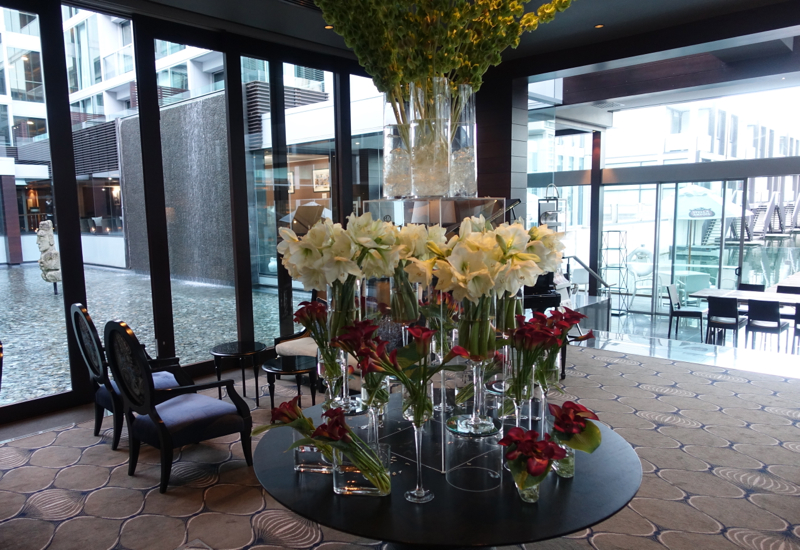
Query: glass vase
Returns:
{"type": "Point", "coordinates": [529, 492]}
{"type": "Point", "coordinates": [396, 149]}
{"type": "Point", "coordinates": [476, 334]}
{"type": "Point", "coordinates": [518, 383]}
{"type": "Point", "coordinates": [343, 311]}
{"type": "Point", "coordinates": [508, 307]}
{"type": "Point", "coordinates": [404, 305]}
{"type": "Point", "coordinates": [430, 137]}
{"type": "Point", "coordinates": [332, 375]}
{"type": "Point", "coordinates": [349, 479]}
{"type": "Point", "coordinates": [417, 412]}
{"type": "Point", "coordinates": [565, 467]}
{"type": "Point", "coordinates": [419, 495]}
{"type": "Point", "coordinates": [308, 458]}
{"type": "Point", "coordinates": [463, 156]}
{"type": "Point", "coordinates": [374, 396]}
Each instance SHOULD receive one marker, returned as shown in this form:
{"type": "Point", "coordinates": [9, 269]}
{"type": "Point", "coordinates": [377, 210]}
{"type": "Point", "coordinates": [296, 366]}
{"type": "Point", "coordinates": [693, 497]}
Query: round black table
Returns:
{"type": "Point", "coordinates": [604, 483]}
{"type": "Point", "coordinates": [291, 365]}
{"type": "Point", "coordinates": [242, 352]}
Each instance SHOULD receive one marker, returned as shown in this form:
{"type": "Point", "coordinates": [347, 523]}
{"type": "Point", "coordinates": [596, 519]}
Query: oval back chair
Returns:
{"type": "Point", "coordinates": [169, 418]}
{"type": "Point", "coordinates": [105, 396]}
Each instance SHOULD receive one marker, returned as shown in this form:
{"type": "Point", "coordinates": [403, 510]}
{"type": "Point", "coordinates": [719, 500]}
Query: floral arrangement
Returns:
{"type": "Point", "coordinates": [415, 40]}
{"type": "Point", "coordinates": [529, 459]}
{"type": "Point", "coordinates": [573, 426]}
{"type": "Point", "coordinates": [335, 434]}
{"type": "Point", "coordinates": [313, 316]}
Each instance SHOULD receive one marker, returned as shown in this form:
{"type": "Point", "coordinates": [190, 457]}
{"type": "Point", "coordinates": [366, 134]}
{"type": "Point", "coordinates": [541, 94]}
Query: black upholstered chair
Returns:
{"type": "Point", "coordinates": [723, 314]}
{"type": "Point", "coordinates": [173, 417]}
{"type": "Point", "coordinates": [765, 317]}
{"type": "Point", "coordinates": [678, 312]}
{"type": "Point", "coordinates": [166, 373]}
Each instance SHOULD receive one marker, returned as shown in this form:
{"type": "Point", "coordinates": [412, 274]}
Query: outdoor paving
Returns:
{"type": "Point", "coordinates": [33, 326]}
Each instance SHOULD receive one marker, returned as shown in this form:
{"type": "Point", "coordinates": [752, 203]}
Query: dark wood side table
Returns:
{"type": "Point", "coordinates": [604, 483]}
{"type": "Point", "coordinates": [244, 353]}
{"type": "Point", "coordinates": [296, 365]}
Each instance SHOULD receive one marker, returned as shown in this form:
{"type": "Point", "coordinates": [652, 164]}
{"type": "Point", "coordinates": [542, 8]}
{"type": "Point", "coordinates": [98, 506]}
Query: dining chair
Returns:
{"type": "Point", "coordinates": [765, 317]}
{"type": "Point", "coordinates": [795, 326]}
{"type": "Point", "coordinates": [106, 395]}
{"type": "Point", "coordinates": [788, 312]}
{"type": "Point", "coordinates": [750, 287]}
{"type": "Point", "coordinates": [678, 312]}
{"type": "Point", "coordinates": [723, 314]}
{"type": "Point", "coordinates": [172, 417]}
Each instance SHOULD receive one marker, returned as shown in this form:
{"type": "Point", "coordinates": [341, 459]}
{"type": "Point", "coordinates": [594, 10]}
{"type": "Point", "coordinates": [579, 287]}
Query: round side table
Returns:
{"type": "Point", "coordinates": [243, 352]}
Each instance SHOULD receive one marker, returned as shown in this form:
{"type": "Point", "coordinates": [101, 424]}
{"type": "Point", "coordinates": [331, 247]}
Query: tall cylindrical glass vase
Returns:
{"type": "Point", "coordinates": [396, 148]}
{"type": "Point", "coordinates": [463, 155]}
{"type": "Point", "coordinates": [430, 137]}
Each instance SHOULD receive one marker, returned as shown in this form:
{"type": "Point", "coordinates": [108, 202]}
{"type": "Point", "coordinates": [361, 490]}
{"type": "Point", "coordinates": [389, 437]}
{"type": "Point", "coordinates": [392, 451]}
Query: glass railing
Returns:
{"type": "Point", "coordinates": [118, 63]}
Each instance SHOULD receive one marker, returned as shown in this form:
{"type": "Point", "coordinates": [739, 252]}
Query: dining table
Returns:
{"type": "Point", "coordinates": [743, 296]}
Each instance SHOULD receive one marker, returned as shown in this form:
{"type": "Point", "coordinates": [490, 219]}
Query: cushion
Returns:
{"type": "Point", "coordinates": [305, 347]}
{"type": "Point", "coordinates": [190, 418]}
{"type": "Point", "coordinates": [161, 381]}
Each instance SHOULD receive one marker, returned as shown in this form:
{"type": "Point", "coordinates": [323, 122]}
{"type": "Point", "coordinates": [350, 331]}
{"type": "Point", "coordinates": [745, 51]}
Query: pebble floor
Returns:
{"type": "Point", "coordinates": [33, 328]}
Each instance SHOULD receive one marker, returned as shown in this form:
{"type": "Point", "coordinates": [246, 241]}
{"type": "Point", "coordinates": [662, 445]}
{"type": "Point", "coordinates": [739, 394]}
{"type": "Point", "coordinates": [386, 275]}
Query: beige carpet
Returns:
{"type": "Point", "coordinates": [720, 452]}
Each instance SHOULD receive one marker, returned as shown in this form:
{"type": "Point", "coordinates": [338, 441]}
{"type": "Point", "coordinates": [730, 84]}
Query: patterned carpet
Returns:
{"type": "Point", "coordinates": [720, 452]}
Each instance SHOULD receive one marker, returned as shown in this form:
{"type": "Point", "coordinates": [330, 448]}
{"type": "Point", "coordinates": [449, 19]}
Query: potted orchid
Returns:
{"type": "Point", "coordinates": [529, 459]}
{"type": "Point", "coordinates": [574, 430]}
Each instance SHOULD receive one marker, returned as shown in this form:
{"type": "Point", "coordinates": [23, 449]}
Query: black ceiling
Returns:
{"type": "Point", "coordinates": [291, 20]}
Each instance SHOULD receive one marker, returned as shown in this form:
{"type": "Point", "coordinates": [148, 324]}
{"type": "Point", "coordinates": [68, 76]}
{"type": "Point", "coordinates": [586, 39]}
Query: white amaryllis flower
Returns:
{"type": "Point", "coordinates": [337, 259]}
{"type": "Point", "coordinates": [467, 273]}
{"type": "Point", "coordinates": [512, 238]}
{"type": "Point", "coordinates": [413, 240]}
{"type": "Point", "coordinates": [289, 243]}
{"type": "Point", "coordinates": [368, 233]}
{"type": "Point", "coordinates": [420, 271]}
{"type": "Point", "coordinates": [437, 235]}
{"type": "Point", "coordinates": [515, 274]}
{"type": "Point", "coordinates": [380, 262]}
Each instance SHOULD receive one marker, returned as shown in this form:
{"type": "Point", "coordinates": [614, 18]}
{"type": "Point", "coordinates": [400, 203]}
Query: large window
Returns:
{"type": "Point", "coordinates": [197, 195]}
{"type": "Point", "coordinates": [32, 328]}
{"type": "Point", "coordinates": [366, 124]}
{"type": "Point", "coordinates": [25, 75]}
{"type": "Point", "coordinates": [735, 127]}
{"type": "Point", "coordinates": [164, 48]}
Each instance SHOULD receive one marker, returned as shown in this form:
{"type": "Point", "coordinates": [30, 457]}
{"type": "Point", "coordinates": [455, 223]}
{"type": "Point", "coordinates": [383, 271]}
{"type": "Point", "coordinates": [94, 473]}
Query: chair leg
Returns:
{"type": "Point", "coordinates": [119, 416]}
{"type": "Point", "coordinates": [166, 467]}
{"type": "Point", "coordinates": [99, 411]}
{"type": "Point", "coordinates": [133, 458]}
{"type": "Point", "coordinates": [247, 447]}
{"type": "Point", "coordinates": [299, 379]}
{"type": "Point", "coordinates": [708, 333]}
{"type": "Point", "coordinates": [669, 331]}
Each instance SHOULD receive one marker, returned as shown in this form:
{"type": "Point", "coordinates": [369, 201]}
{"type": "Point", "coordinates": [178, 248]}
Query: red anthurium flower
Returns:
{"type": "Point", "coordinates": [287, 411]}
{"type": "Point", "coordinates": [310, 313]}
{"type": "Point", "coordinates": [461, 352]}
{"type": "Point", "coordinates": [536, 453]}
{"type": "Point", "coordinates": [588, 336]}
{"type": "Point", "coordinates": [571, 417]}
{"type": "Point", "coordinates": [422, 337]}
{"type": "Point", "coordinates": [336, 429]}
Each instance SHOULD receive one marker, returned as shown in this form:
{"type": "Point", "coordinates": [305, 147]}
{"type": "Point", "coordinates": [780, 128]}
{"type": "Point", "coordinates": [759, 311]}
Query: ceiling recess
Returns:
{"type": "Point", "coordinates": [309, 4]}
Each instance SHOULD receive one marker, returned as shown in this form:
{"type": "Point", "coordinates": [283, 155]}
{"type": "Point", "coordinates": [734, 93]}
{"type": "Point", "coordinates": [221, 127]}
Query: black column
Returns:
{"type": "Point", "coordinates": [65, 188]}
{"type": "Point", "coordinates": [502, 140]}
{"type": "Point", "coordinates": [343, 185]}
{"type": "Point", "coordinates": [595, 210]}
{"type": "Point", "coordinates": [280, 187]}
{"type": "Point", "coordinates": [153, 172]}
{"type": "Point", "coordinates": [234, 93]}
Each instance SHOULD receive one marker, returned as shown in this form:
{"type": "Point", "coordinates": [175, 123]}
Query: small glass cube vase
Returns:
{"type": "Point", "coordinates": [348, 479]}
{"type": "Point", "coordinates": [565, 467]}
{"type": "Point", "coordinates": [308, 458]}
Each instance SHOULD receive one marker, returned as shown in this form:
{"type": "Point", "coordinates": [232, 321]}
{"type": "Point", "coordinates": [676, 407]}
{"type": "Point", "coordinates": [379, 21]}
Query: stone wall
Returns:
{"type": "Point", "coordinates": [197, 195]}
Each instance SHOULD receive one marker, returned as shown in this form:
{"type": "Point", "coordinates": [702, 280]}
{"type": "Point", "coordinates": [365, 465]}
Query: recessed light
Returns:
{"type": "Point", "coordinates": [329, 27]}
{"type": "Point", "coordinates": [599, 26]}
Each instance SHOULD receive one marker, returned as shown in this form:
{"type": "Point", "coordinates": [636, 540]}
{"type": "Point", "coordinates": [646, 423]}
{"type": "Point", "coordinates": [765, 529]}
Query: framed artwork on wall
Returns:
{"type": "Point", "coordinates": [290, 179]}
{"type": "Point", "coordinates": [322, 180]}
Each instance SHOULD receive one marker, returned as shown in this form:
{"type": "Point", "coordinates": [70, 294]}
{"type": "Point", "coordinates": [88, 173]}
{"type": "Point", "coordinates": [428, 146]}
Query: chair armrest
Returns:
{"type": "Point", "coordinates": [160, 363]}
{"type": "Point", "coordinates": [302, 334]}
